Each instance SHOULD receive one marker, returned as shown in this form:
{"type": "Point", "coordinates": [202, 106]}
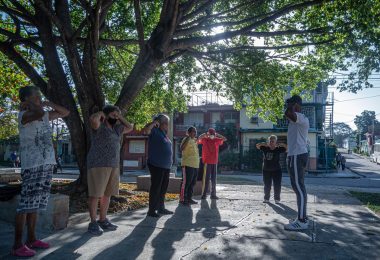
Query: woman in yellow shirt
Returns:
{"type": "Point", "coordinates": [190, 165]}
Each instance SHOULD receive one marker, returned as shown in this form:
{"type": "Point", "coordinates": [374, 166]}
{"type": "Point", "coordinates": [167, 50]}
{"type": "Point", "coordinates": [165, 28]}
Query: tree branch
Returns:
{"type": "Point", "coordinates": [139, 25]}
{"type": "Point", "coordinates": [30, 72]}
{"type": "Point", "coordinates": [190, 42]}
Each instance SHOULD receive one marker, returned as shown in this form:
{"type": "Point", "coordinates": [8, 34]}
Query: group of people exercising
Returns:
{"type": "Point", "coordinates": [107, 129]}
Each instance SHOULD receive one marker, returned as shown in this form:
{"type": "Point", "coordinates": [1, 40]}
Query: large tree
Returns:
{"type": "Point", "coordinates": [341, 132]}
{"type": "Point", "coordinates": [365, 121]}
{"type": "Point", "coordinates": [141, 54]}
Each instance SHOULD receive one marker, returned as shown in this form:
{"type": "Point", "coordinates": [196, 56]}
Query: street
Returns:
{"type": "Point", "coordinates": [361, 174]}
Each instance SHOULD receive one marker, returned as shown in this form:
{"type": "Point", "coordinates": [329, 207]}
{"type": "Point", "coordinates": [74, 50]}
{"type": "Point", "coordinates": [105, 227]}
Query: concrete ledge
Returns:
{"type": "Point", "coordinates": [55, 217]}
{"type": "Point", "coordinates": [143, 183]}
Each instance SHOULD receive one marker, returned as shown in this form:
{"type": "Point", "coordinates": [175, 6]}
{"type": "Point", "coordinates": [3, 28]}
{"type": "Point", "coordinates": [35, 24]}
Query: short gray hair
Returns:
{"type": "Point", "coordinates": [272, 137]}
{"type": "Point", "coordinates": [161, 117]}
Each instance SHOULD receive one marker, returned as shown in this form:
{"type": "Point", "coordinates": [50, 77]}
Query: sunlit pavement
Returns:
{"type": "Point", "coordinates": [238, 226]}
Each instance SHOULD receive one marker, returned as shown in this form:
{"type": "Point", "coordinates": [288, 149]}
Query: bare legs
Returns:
{"type": "Point", "coordinates": [30, 219]}
{"type": "Point", "coordinates": [93, 206]}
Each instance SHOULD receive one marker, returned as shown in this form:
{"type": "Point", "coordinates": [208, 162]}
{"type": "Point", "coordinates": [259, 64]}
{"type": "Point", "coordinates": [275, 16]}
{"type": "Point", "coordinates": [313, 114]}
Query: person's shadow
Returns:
{"type": "Point", "coordinates": [208, 219]}
{"type": "Point", "coordinates": [133, 245]}
{"type": "Point", "coordinates": [283, 210]}
{"type": "Point", "coordinates": [174, 230]}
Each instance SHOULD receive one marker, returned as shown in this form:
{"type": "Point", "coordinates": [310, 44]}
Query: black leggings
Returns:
{"type": "Point", "coordinates": [275, 177]}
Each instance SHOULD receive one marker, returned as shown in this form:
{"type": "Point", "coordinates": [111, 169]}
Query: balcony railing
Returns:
{"type": "Point", "coordinates": [203, 127]}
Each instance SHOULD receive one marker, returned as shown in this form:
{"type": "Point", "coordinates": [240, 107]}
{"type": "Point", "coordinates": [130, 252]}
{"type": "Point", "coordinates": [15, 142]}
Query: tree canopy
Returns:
{"type": "Point", "coordinates": [365, 121]}
{"type": "Point", "coordinates": [144, 56]}
{"type": "Point", "coordinates": [341, 132]}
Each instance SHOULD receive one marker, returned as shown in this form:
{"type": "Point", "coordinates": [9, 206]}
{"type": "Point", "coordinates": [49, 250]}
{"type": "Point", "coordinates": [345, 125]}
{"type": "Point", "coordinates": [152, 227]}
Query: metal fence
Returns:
{"type": "Point", "coordinates": [249, 158]}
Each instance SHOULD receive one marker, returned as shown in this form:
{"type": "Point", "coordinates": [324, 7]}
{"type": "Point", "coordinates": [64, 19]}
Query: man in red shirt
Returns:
{"type": "Point", "coordinates": [210, 142]}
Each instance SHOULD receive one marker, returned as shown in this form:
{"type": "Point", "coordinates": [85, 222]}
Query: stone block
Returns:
{"type": "Point", "coordinates": [55, 217]}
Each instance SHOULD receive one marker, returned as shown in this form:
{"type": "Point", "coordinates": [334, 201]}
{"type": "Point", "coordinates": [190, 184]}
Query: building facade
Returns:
{"type": "Point", "coordinates": [318, 109]}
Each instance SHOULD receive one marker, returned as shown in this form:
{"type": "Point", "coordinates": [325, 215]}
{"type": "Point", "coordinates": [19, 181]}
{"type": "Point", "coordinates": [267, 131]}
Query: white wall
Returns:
{"type": "Point", "coordinates": [245, 122]}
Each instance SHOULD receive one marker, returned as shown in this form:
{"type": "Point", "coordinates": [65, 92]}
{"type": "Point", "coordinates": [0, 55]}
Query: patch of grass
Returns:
{"type": "Point", "coordinates": [371, 200]}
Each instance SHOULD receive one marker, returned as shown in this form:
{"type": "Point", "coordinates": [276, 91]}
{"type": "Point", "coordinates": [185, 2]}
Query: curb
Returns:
{"type": "Point", "coordinates": [353, 171]}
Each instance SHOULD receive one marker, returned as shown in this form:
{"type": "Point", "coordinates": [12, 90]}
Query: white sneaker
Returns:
{"type": "Point", "coordinates": [265, 201]}
{"type": "Point", "coordinates": [296, 225]}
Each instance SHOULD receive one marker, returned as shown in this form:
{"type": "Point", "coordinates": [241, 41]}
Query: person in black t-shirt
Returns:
{"type": "Point", "coordinates": [271, 167]}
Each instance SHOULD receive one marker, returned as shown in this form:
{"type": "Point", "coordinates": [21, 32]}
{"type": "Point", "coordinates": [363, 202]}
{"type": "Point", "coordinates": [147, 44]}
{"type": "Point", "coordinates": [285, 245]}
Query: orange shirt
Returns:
{"type": "Point", "coordinates": [210, 149]}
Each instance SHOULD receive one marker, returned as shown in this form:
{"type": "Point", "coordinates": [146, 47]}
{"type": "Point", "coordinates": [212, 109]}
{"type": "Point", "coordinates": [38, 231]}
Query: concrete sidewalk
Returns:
{"type": "Point", "coordinates": [238, 226]}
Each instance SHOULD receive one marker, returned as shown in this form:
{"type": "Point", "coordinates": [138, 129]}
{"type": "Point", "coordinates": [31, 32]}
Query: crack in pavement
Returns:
{"type": "Point", "coordinates": [220, 234]}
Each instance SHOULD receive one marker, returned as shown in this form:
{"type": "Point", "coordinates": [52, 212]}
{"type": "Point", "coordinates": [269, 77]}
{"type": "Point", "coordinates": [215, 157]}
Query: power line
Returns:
{"type": "Point", "coordinates": [354, 99]}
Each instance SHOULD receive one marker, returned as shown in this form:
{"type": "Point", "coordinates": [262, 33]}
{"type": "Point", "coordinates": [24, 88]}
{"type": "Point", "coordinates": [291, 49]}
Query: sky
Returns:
{"type": "Point", "coordinates": [353, 104]}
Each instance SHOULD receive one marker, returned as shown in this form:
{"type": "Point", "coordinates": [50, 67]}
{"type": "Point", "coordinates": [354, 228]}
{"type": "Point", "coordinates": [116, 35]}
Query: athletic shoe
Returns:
{"type": "Point", "coordinates": [153, 215]}
{"type": "Point", "coordinates": [292, 220]}
{"type": "Point", "coordinates": [203, 197]}
{"type": "Point", "coordinates": [107, 225]}
{"type": "Point", "coordinates": [214, 197]}
{"type": "Point", "coordinates": [265, 201]}
{"type": "Point", "coordinates": [185, 203]}
{"type": "Point", "coordinates": [277, 201]}
{"type": "Point", "coordinates": [95, 229]}
{"type": "Point", "coordinates": [38, 244]}
{"type": "Point", "coordinates": [165, 212]}
{"type": "Point", "coordinates": [296, 225]}
{"type": "Point", "coordinates": [191, 201]}
{"type": "Point", "coordinates": [23, 251]}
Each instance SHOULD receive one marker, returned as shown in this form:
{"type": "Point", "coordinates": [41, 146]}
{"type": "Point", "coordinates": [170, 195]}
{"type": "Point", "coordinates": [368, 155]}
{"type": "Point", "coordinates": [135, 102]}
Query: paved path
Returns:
{"type": "Point", "coordinates": [238, 226]}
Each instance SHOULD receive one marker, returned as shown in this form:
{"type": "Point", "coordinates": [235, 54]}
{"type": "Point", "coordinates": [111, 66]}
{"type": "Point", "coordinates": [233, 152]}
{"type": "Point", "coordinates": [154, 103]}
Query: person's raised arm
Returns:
{"type": "Point", "coordinates": [185, 142]}
{"type": "Point", "coordinates": [32, 113]}
{"type": "Point", "coordinates": [290, 112]}
{"type": "Point", "coordinates": [259, 145]}
{"type": "Point", "coordinates": [148, 127]}
{"type": "Point", "coordinates": [221, 137]}
{"type": "Point", "coordinates": [96, 119]}
{"type": "Point", "coordinates": [282, 145]}
{"type": "Point", "coordinates": [58, 111]}
{"type": "Point", "coordinates": [128, 127]}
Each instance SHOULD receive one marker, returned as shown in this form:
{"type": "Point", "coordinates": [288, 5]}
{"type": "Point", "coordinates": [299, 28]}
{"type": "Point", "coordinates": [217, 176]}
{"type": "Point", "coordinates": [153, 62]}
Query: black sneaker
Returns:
{"type": "Point", "coordinates": [184, 203]}
{"type": "Point", "coordinates": [165, 212]}
{"type": "Point", "coordinates": [153, 215]}
{"type": "Point", "coordinates": [203, 197]}
{"type": "Point", "coordinates": [214, 197]}
{"type": "Point", "coordinates": [94, 228]}
{"type": "Point", "coordinates": [107, 225]}
{"type": "Point", "coordinates": [191, 201]}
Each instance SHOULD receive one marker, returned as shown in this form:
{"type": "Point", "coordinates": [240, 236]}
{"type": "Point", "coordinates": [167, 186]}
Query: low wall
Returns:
{"type": "Point", "coordinates": [143, 183]}
{"type": "Point", "coordinates": [55, 217]}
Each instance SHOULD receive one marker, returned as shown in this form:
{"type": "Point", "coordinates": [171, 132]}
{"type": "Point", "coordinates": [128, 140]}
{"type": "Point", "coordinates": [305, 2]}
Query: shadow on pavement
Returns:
{"type": "Point", "coordinates": [133, 245]}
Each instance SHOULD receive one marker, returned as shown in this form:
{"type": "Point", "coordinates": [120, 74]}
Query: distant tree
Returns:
{"type": "Point", "coordinates": [364, 122]}
{"type": "Point", "coordinates": [341, 132]}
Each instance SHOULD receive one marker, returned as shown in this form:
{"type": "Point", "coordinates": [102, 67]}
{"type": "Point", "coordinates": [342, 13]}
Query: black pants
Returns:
{"type": "Point", "coordinates": [189, 179]}
{"type": "Point", "coordinates": [296, 168]}
{"type": "Point", "coordinates": [159, 178]}
{"type": "Point", "coordinates": [275, 177]}
{"type": "Point", "coordinates": [343, 166]}
{"type": "Point", "coordinates": [209, 172]}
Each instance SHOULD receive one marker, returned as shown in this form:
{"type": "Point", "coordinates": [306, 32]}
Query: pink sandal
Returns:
{"type": "Point", "coordinates": [38, 244]}
{"type": "Point", "coordinates": [23, 251]}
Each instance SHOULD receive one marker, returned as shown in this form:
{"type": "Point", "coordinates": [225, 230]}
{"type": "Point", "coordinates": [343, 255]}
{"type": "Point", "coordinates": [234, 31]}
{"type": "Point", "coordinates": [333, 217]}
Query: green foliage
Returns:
{"type": "Point", "coordinates": [229, 160]}
{"type": "Point", "coordinates": [341, 132]}
{"type": "Point", "coordinates": [365, 120]}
